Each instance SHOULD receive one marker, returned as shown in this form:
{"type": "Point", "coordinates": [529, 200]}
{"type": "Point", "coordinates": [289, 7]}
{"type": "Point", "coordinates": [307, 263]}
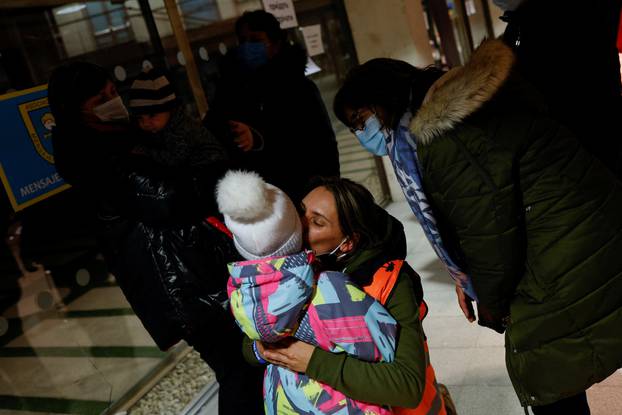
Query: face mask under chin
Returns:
{"type": "Point", "coordinates": [330, 261]}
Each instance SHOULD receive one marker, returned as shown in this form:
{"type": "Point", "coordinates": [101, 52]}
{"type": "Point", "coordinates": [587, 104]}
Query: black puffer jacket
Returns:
{"type": "Point", "coordinates": [169, 264]}
{"type": "Point", "coordinates": [286, 112]}
{"type": "Point", "coordinates": [172, 271]}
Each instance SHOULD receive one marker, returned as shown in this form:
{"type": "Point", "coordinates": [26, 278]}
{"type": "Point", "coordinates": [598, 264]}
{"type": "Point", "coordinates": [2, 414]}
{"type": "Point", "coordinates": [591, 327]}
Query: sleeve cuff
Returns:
{"type": "Point", "coordinates": [322, 362]}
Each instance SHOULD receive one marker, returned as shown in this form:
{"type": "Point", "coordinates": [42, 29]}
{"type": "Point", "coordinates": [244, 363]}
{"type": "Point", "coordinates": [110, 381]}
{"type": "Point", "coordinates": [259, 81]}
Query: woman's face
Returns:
{"type": "Point", "coordinates": [357, 117]}
{"type": "Point", "coordinates": [321, 222]}
{"type": "Point", "coordinates": [108, 92]}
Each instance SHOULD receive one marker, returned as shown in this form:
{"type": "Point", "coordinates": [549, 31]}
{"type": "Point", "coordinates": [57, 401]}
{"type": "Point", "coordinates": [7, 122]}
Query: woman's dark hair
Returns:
{"type": "Point", "coordinates": [70, 85]}
{"type": "Point", "coordinates": [385, 83]}
{"type": "Point", "coordinates": [261, 21]}
{"type": "Point", "coordinates": [356, 209]}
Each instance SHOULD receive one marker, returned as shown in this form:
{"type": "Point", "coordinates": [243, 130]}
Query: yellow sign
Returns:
{"type": "Point", "coordinates": [26, 155]}
{"type": "Point", "coordinates": [25, 110]}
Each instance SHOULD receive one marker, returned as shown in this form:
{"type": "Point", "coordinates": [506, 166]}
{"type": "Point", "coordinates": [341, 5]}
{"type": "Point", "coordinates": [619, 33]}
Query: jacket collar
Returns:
{"type": "Point", "coordinates": [463, 90]}
{"type": "Point", "coordinates": [299, 264]}
{"type": "Point", "coordinates": [363, 264]}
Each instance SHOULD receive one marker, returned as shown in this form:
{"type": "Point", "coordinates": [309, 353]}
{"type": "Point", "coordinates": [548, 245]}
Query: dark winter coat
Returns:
{"type": "Point", "coordinates": [184, 143]}
{"type": "Point", "coordinates": [172, 269]}
{"type": "Point", "coordinates": [188, 152]}
{"type": "Point", "coordinates": [292, 129]}
{"type": "Point", "coordinates": [537, 219]}
{"type": "Point", "coordinates": [170, 266]}
{"type": "Point", "coordinates": [578, 71]}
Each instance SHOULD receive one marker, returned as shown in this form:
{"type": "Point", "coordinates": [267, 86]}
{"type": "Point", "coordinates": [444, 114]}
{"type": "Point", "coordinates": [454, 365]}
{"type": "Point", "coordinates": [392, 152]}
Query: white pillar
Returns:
{"type": "Point", "coordinates": [390, 29]}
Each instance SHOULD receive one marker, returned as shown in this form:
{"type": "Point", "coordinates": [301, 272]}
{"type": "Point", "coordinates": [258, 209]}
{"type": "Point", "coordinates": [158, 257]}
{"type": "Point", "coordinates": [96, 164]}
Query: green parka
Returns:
{"type": "Point", "coordinates": [538, 222]}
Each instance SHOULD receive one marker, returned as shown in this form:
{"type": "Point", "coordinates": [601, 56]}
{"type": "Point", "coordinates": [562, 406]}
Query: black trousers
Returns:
{"type": "Point", "coordinates": [575, 405]}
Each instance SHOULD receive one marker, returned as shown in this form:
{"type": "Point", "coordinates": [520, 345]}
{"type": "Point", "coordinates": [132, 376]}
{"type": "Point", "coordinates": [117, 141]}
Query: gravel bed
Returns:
{"type": "Point", "coordinates": [176, 389]}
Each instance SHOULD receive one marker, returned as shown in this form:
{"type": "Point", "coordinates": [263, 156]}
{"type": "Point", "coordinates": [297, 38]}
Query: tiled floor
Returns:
{"type": "Point", "coordinates": [76, 351]}
{"type": "Point", "coordinates": [468, 358]}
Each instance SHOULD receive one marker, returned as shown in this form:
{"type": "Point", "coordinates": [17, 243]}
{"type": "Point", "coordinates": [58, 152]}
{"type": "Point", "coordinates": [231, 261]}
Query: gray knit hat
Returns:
{"type": "Point", "coordinates": [151, 93]}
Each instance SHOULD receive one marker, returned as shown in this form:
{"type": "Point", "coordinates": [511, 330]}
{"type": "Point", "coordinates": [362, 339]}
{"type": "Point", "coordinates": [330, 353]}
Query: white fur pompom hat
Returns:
{"type": "Point", "coordinates": [262, 218]}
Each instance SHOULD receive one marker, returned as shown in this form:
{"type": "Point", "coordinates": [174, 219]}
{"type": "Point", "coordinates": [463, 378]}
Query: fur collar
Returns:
{"type": "Point", "coordinates": [463, 90]}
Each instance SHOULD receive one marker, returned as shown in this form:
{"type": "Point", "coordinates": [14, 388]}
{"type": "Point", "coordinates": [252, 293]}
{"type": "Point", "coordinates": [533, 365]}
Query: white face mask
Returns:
{"type": "Point", "coordinates": [110, 111]}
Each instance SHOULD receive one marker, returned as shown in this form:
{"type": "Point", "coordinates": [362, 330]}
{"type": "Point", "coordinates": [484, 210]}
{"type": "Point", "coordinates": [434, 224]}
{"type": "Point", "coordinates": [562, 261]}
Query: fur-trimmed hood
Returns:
{"type": "Point", "coordinates": [463, 90]}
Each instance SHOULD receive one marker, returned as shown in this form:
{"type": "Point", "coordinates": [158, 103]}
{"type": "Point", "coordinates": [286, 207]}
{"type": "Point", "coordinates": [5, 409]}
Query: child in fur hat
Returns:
{"type": "Point", "coordinates": [276, 294]}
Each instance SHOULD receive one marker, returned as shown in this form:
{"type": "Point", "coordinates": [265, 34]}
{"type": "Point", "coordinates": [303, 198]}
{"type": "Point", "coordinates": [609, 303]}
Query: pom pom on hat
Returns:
{"type": "Point", "coordinates": [241, 195]}
{"type": "Point", "coordinates": [262, 218]}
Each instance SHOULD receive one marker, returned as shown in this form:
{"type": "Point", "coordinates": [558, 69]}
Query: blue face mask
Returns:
{"type": "Point", "coordinates": [373, 137]}
{"type": "Point", "coordinates": [253, 54]}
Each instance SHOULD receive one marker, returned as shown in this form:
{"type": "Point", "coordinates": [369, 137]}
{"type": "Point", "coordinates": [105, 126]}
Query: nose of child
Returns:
{"type": "Point", "coordinates": [144, 123]}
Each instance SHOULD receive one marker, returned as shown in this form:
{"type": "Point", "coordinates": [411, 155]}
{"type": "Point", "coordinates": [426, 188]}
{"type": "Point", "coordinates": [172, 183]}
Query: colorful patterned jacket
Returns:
{"type": "Point", "coordinates": [274, 298]}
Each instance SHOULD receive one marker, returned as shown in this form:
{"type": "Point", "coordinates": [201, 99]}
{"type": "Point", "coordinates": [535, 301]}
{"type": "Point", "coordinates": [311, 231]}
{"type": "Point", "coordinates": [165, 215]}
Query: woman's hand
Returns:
{"type": "Point", "coordinates": [291, 354]}
{"type": "Point", "coordinates": [466, 304]}
{"type": "Point", "coordinates": [243, 135]}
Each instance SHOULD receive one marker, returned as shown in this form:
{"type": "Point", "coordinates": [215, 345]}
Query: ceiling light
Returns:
{"type": "Point", "coordinates": [70, 9]}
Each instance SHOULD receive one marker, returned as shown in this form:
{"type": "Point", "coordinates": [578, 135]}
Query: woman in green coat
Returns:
{"type": "Point", "coordinates": [349, 232]}
{"type": "Point", "coordinates": [524, 218]}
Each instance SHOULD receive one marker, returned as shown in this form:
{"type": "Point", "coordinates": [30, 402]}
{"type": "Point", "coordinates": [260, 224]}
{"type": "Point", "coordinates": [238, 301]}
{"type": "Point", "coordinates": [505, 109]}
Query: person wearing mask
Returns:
{"type": "Point", "coordinates": [265, 109]}
{"type": "Point", "coordinates": [277, 293]}
{"type": "Point", "coordinates": [350, 233]}
{"type": "Point", "coordinates": [513, 204]}
{"type": "Point", "coordinates": [170, 265]}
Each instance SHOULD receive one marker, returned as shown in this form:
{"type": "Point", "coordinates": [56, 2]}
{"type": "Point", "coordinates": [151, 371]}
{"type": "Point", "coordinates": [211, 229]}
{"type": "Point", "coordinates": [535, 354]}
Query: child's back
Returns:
{"type": "Point", "coordinates": [275, 298]}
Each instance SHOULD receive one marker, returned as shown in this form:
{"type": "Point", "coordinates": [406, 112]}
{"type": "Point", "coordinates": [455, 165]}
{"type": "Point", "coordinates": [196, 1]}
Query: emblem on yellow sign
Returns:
{"type": "Point", "coordinates": [47, 120]}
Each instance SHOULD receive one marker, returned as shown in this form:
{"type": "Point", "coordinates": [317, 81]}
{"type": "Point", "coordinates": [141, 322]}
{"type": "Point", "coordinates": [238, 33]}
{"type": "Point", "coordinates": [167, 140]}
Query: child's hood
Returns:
{"type": "Point", "coordinates": [269, 295]}
{"type": "Point", "coordinates": [264, 270]}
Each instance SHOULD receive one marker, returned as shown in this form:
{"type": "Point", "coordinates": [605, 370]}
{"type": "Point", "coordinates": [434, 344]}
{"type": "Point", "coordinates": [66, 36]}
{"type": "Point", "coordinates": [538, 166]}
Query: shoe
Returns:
{"type": "Point", "coordinates": [450, 408]}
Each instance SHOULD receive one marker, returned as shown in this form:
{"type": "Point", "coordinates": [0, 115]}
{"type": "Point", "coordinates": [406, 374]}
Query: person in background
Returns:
{"type": "Point", "coordinates": [173, 140]}
{"type": "Point", "coordinates": [170, 265]}
{"type": "Point", "coordinates": [567, 49]}
{"type": "Point", "coordinates": [513, 203]}
{"type": "Point", "coordinates": [266, 110]}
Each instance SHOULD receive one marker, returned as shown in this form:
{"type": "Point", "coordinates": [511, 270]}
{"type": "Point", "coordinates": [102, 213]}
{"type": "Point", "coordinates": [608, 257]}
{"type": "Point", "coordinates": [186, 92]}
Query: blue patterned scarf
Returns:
{"type": "Point", "coordinates": [402, 147]}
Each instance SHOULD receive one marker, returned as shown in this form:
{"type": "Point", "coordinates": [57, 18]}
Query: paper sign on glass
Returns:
{"type": "Point", "coordinates": [283, 10]}
{"type": "Point", "coordinates": [313, 39]}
